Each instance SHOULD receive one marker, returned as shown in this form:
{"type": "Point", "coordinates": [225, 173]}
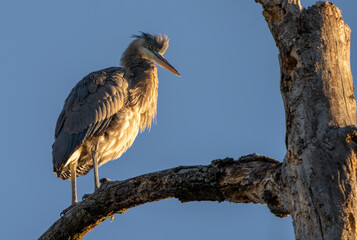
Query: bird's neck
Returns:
{"type": "Point", "coordinates": [132, 61]}
{"type": "Point", "coordinates": [140, 71]}
{"type": "Point", "coordinates": [142, 76]}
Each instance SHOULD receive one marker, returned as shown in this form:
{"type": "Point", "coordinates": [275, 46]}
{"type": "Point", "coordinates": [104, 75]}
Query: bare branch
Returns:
{"type": "Point", "coordinates": [317, 182]}
{"type": "Point", "coordinates": [251, 179]}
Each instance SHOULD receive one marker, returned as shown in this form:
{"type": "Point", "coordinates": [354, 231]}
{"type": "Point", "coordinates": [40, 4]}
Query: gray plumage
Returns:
{"type": "Point", "coordinates": [108, 108]}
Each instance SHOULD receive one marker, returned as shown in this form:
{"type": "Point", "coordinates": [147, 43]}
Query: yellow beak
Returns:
{"type": "Point", "coordinates": [162, 62]}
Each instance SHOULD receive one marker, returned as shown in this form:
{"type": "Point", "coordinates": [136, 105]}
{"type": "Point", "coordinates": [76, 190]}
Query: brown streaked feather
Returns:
{"type": "Point", "coordinates": [111, 115]}
{"type": "Point", "coordinates": [87, 112]}
{"type": "Point", "coordinates": [107, 109]}
{"type": "Point", "coordinates": [94, 107]}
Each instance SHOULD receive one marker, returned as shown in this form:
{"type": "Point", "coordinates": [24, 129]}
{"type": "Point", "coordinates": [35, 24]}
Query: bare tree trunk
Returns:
{"type": "Point", "coordinates": [316, 84]}
{"type": "Point", "coordinates": [316, 184]}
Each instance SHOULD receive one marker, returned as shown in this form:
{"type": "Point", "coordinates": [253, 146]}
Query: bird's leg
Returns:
{"type": "Point", "coordinates": [95, 167]}
{"type": "Point", "coordinates": [73, 169]}
{"type": "Point", "coordinates": [74, 182]}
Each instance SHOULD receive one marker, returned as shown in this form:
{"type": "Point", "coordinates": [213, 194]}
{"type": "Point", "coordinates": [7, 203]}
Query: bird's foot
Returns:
{"type": "Point", "coordinates": [85, 196]}
{"type": "Point", "coordinates": [64, 212]}
{"type": "Point", "coordinates": [103, 180]}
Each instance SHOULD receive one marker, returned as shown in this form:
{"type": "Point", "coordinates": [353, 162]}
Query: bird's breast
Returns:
{"type": "Point", "coordinates": [119, 136]}
{"type": "Point", "coordinates": [125, 125]}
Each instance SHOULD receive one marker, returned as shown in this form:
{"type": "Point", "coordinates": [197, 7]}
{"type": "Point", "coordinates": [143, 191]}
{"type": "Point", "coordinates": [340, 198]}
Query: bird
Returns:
{"type": "Point", "coordinates": [106, 110]}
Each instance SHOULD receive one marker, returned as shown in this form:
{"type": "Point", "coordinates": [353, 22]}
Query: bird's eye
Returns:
{"type": "Point", "coordinates": [151, 47]}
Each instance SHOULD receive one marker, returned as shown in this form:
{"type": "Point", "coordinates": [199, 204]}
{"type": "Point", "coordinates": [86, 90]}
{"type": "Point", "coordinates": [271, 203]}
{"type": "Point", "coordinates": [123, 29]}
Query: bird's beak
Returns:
{"type": "Point", "coordinates": [162, 62]}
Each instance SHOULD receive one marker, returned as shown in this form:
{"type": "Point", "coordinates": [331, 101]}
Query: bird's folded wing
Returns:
{"type": "Point", "coordinates": [88, 110]}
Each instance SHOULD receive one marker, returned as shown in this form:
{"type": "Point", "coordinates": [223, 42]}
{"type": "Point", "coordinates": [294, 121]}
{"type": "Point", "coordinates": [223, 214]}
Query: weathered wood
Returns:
{"type": "Point", "coordinates": [251, 179]}
{"type": "Point", "coordinates": [320, 108]}
{"type": "Point", "coordinates": [317, 181]}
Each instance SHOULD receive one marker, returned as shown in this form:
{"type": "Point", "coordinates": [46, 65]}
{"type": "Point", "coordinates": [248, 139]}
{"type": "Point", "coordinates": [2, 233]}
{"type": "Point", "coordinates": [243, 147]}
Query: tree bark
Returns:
{"type": "Point", "coordinates": [316, 183]}
{"type": "Point", "coordinates": [316, 84]}
{"type": "Point", "coordinates": [251, 179]}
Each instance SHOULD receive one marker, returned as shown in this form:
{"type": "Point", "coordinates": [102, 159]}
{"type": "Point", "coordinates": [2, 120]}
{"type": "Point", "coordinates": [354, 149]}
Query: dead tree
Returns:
{"type": "Point", "coordinates": [315, 184]}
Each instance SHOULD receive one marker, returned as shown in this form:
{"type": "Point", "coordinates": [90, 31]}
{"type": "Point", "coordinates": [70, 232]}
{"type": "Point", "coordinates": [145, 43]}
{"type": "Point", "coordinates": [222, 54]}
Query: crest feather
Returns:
{"type": "Point", "coordinates": [162, 42]}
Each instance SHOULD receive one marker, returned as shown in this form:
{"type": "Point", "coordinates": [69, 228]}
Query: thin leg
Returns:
{"type": "Point", "coordinates": [74, 182]}
{"type": "Point", "coordinates": [73, 168]}
{"type": "Point", "coordinates": [95, 167]}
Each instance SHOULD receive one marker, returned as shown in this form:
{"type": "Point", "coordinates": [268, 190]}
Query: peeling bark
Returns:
{"type": "Point", "coordinates": [316, 84]}
{"type": "Point", "coordinates": [251, 179]}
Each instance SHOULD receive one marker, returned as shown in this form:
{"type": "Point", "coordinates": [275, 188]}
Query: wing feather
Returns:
{"type": "Point", "coordinates": [88, 111]}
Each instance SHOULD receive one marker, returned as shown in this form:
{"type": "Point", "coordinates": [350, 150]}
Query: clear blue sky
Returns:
{"type": "Point", "coordinates": [226, 104]}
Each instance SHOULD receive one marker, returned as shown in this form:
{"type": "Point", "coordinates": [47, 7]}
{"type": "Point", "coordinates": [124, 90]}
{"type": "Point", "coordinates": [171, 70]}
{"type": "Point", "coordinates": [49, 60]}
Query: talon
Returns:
{"type": "Point", "coordinates": [103, 180]}
{"type": "Point", "coordinates": [85, 196]}
{"type": "Point", "coordinates": [65, 211]}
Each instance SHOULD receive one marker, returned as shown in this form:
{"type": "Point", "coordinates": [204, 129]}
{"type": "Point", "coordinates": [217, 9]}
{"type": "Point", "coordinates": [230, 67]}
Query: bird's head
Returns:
{"type": "Point", "coordinates": [153, 48]}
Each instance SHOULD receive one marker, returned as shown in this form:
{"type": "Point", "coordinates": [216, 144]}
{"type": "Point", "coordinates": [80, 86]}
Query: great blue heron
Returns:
{"type": "Point", "coordinates": [104, 112]}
